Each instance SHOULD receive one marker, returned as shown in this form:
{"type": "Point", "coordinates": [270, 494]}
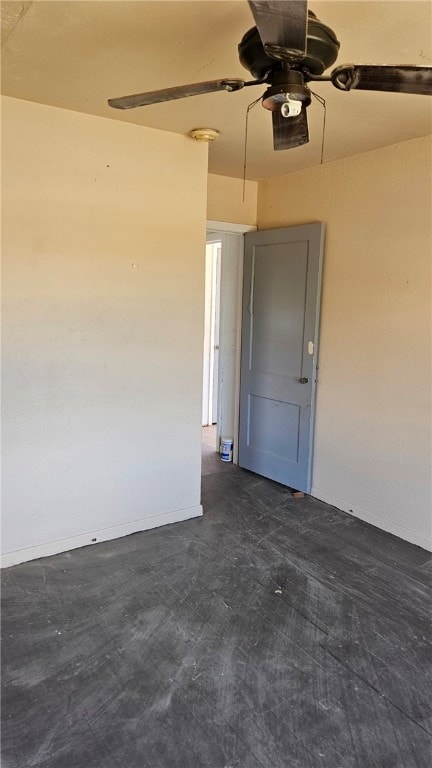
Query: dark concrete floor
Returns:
{"type": "Point", "coordinates": [272, 633]}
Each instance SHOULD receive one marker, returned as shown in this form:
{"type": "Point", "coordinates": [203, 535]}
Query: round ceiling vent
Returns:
{"type": "Point", "coordinates": [204, 134]}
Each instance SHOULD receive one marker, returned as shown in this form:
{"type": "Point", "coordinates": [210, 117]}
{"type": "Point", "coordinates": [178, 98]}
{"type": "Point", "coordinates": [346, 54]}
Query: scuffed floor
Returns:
{"type": "Point", "coordinates": [272, 633]}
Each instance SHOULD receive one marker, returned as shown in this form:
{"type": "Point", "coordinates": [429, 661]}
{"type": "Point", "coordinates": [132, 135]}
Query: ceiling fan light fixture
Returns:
{"type": "Point", "coordinates": [291, 107]}
{"type": "Point", "coordinates": [204, 134]}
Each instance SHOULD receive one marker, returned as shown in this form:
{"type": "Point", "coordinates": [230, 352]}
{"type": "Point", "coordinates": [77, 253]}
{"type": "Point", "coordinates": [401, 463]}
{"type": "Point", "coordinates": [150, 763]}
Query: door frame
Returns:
{"type": "Point", "coordinates": [228, 233]}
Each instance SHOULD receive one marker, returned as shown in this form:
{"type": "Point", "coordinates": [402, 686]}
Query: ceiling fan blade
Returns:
{"type": "Point", "coordinates": [282, 26]}
{"type": "Point", "coordinates": [178, 92]}
{"type": "Point", "coordinates": [289, 132]}
{"type": "Point", "coordinates": [403, 79]}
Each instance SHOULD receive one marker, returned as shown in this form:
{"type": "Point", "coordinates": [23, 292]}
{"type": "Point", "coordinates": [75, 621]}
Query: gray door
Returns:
{"type": "Point", "coordinates": [281, 297]}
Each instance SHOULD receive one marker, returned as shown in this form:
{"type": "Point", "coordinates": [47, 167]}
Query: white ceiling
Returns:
{"type": "Point", "coordinates": [76, 54]}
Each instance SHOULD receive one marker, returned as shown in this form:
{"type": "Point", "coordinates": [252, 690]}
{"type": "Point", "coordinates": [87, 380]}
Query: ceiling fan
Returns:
{"type": "Point", "coordinates": [288, 48]}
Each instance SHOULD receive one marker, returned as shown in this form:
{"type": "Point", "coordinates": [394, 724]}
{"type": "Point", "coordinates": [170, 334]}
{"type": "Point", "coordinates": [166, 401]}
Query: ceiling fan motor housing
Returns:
{"type": "Point", "coordinates": [322, 50]}
{"type": "Point", "coordinates": [287, 84]}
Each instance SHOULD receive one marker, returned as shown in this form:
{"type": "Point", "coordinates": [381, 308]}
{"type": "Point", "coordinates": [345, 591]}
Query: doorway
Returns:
{"type": "Point", "coordinates": [222, 334]}
{"type": "Point", "coordinates": [211, 334]}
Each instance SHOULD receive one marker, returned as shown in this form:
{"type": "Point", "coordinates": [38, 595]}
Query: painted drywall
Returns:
{"type": "Point", "coordinates": [225, 200]}
{"type": "Point", "coordinates": [103, 279]}
{"type": "Point", "coordinates": [373, 424]}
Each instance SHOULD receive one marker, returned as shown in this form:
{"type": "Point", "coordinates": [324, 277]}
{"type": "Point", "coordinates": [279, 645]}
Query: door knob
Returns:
{"type": "Point", "coordinates": [304, 380]}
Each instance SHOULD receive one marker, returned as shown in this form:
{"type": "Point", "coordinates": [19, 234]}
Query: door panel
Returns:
{"type": "Point", "coordinates": [273, 427]}
{"type": "Point", "coordinates": [281, 293]}
{"type": "Point", "coordinates": [278, 283]}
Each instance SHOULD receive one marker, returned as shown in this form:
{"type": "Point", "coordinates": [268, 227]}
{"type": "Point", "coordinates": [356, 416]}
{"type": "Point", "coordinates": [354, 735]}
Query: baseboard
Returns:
{"type": "Point", "coordinates": [93, 537]}
{"type": "Point", "coordinates": [369, 517]}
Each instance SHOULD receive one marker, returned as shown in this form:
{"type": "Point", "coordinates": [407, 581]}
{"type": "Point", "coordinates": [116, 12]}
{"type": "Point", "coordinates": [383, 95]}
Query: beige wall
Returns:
{"type": "Point", "coordinates": [103, 250]}
{"type": "Point", "coordinates": [225, 200]}
{"type": "Point", "coordinates": [373, 426]}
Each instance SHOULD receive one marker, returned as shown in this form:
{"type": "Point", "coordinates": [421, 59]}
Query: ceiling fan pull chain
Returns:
{"type": "Point", "coordinates": [324, 106]}
{"type": "Point", "coordinates": [251, 105]}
